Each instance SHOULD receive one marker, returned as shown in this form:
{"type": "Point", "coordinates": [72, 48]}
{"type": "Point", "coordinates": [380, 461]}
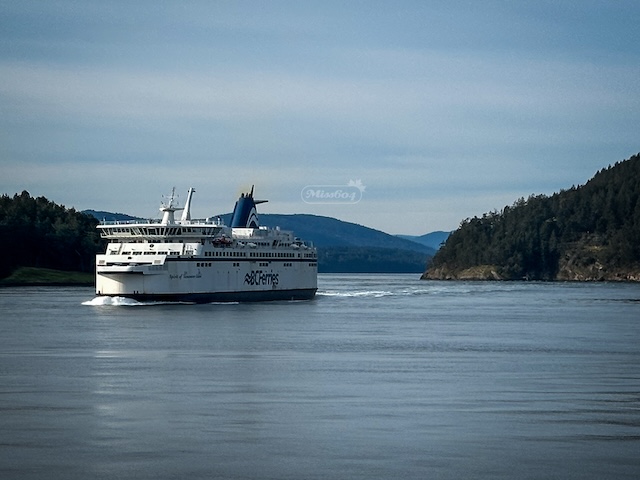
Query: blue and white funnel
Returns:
{"type": "Point", "coordinates": [245, 214]}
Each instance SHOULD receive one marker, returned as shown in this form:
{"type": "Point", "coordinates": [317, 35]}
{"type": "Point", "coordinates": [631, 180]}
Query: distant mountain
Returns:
{"type": "Point", "coordinates": [349, 247]}
{"type": "Point", "coordinates": [590, 232]}
{"type": "Point", "coordinates": [109, 216]}
{"type": "Point", "coordinates": [331, 232]}
{"type": "Point", "coordinates": [432, 240]}
{"type": "Point", "coordinates": [342, 246]}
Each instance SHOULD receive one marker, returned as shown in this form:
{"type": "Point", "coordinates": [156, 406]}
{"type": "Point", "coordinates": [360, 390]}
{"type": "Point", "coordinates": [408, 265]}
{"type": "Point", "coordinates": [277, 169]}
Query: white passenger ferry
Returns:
{"type": "Point", "coordinates": [205, 260]}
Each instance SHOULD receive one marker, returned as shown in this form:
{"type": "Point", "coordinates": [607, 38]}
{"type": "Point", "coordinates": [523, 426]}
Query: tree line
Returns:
{"type": "Point", "coordinates": [35, 232]}
{"type": "Point", "coordinates": [599, 222]}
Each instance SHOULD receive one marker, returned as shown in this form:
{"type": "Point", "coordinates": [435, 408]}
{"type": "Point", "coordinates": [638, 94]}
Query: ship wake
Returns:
{"type": "Point", "coordinates": [112, 301]}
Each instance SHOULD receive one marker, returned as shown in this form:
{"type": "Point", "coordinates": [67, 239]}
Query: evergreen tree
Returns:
{"type": "Point", "coordinates": [597, 222]}
{"type": "Point", "coordinates": [35, 232]}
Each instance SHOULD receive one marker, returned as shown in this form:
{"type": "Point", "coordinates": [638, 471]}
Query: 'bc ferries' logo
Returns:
{"type": "Point", "coordinates": [350, 193]}
{"type": "Point", "coordinates": [258, 277]}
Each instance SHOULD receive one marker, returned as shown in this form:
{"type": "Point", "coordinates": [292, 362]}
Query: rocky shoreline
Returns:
{"type": "Point", "coordinates": [566, 273]}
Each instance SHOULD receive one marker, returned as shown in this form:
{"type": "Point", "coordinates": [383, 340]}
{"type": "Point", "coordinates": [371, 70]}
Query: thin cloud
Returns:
{"type": "Point", "coordinates": [453, 100]}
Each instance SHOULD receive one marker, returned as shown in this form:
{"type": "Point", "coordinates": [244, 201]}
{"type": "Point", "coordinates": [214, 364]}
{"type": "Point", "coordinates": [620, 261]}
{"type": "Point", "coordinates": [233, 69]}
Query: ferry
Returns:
{"type": "Point", "coordinates": [203, 261]}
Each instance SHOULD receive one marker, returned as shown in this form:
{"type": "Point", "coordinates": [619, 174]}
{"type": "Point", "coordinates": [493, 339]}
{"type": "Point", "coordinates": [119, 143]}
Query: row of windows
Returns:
{"type": "Point", "coordinates": [115, 252]}
{"type": "Point", "coordinates": [236, 264]}
{"type": "Point", "coordinates": [225, 254]}
{"type": "Point", "coordinates": [162, 231]}
{"type": "Point", "coordinates": [261, 264]}
{"type": "Point", "coordinates": [255, 255]}
{"type": "Point", "coordinates": [219, 254]}
{"type": "Point", "coordinates": [272, 255]}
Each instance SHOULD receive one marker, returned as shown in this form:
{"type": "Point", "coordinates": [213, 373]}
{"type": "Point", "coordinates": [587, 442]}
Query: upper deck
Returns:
{"type": "Point", "coordinates": [245, 228]}
{"type": "Point", "coordinates": [156, 230]}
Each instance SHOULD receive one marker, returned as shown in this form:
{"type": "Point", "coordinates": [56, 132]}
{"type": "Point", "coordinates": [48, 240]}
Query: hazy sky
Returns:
{"type": "Point", "coordinates": [442, 109]}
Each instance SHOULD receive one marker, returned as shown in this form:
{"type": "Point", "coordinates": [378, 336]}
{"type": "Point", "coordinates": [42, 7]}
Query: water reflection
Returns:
{"type": "Point", "coordinates": [442, 380]}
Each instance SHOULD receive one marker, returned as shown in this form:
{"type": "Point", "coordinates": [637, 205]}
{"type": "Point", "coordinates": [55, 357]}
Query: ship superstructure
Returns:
{"type": "Point", "coordinates": [205, 260]}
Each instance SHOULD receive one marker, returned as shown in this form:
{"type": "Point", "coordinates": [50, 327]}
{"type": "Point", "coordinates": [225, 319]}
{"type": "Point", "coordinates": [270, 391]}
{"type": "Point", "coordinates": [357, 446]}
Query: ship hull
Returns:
{"type": "Point", "coordinates": [225, 297]}
{"type": "Point", "coordinates": [200, 281]}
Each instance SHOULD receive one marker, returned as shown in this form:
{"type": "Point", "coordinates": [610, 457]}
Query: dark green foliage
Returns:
{"type": "Point", "coordinates": [599, 221]}
{"type": "Point", "coordinates": [35, 232]}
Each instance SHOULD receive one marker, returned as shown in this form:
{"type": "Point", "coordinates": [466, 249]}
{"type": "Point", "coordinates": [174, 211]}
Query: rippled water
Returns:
{"type": "Point", "coordinates": [381, 376]}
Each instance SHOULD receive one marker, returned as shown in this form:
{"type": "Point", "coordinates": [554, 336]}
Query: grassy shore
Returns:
{"type": "Point", "coordinates": [30, 276]}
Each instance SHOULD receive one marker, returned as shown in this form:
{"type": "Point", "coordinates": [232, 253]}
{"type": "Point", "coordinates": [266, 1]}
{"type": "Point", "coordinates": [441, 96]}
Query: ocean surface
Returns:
{"type": "Point", "coordinates": [378, 377]}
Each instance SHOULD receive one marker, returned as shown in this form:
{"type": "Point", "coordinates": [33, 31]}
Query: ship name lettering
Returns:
{"type": "Point", "coordinates": [195, 275]}
{"type": "Point", "coordinates": [186, 275]}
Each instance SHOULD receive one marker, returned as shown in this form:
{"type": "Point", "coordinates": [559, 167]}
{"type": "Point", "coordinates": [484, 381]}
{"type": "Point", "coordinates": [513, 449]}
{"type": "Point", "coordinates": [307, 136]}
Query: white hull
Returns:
{"type": "Point", "coordinates": [207, 280]}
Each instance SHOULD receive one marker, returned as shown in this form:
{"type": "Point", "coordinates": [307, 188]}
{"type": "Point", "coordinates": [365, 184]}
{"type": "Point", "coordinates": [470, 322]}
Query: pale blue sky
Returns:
{"type": "Point", "coordinates": [443, 109]}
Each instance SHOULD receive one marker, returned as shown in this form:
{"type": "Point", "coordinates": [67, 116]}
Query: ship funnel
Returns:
{"type": "Point", "coordinates": [186, 213]}
{"type": "Point", "coordinates": [245, 214]}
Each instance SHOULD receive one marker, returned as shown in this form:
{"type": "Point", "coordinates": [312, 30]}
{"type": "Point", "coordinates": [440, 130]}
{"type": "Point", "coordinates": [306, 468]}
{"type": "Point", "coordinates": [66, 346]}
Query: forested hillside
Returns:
{"type": "Point", "coordinates": [591, 232]}
{"type": "Point", "coordinates": [35, 232]}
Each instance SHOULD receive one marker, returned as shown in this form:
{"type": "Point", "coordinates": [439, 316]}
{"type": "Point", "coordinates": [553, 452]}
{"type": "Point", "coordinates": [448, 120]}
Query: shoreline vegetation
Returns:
{"type": "Point", "coordinates": [492, 273]}
{"type": "Point", "coordinates": [40, 277]}
{"type": "Point", "coordinates": [46, 277]}
{"type": "Point", "coordinates": [42, 242]}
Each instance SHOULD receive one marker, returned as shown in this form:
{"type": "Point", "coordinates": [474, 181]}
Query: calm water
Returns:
{"type": "Point", "coordinates": [379, 377]}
